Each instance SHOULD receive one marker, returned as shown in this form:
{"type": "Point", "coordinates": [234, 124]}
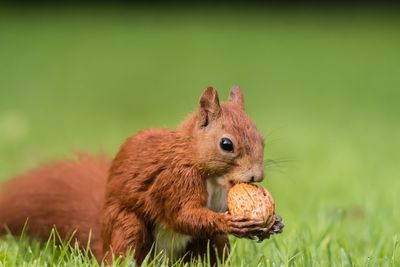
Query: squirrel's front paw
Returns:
{"type": "Point", "coordinates": [276, 228]}
{"type": "Point", "coordinates": [244, 227]}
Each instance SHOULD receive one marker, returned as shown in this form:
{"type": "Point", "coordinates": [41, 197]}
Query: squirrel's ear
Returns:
{"type": "Point", "coordinates": [209, 108]}
{"type": "Point", "coordinates": [236, 96]}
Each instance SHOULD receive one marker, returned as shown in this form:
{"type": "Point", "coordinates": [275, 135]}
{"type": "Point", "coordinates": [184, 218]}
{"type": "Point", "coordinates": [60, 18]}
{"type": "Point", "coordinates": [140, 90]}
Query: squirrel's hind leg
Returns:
{"type": "Point", "coordinates": [127, 233]}
{"type": "Point", "coordinates": [218, 248]}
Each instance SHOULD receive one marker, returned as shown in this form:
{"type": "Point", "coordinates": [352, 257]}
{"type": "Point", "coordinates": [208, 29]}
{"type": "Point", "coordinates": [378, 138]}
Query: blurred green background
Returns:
{"type": "Point", "coordinates": [323, 86]}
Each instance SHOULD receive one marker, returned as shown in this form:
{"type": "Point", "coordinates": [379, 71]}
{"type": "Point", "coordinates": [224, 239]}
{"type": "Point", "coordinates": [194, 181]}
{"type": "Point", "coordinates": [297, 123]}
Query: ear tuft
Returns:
{"type": "Point", "coordinates": [210, 108]}
{"type": "Point", "coordinates": [236, 96]}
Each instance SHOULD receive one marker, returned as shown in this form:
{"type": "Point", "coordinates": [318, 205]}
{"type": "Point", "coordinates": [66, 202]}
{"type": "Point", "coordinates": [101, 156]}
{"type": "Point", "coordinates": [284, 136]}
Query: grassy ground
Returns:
{"type": "Point", "coordinates": [324, 88]}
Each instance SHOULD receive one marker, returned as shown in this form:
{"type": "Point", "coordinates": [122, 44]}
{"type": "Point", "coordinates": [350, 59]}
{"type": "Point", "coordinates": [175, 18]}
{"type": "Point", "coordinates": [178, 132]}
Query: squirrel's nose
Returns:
{"type": "Point", "coordinates": [257, 176]}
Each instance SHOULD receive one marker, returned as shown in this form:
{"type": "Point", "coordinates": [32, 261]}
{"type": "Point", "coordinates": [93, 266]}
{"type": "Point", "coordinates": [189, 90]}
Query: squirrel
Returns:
{"type": "Point", "coordinates": [165, 190]}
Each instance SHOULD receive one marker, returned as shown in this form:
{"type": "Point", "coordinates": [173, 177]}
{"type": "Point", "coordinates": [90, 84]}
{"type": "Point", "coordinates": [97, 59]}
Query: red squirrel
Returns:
{"type": "Point", "coordinates": [165, 190]}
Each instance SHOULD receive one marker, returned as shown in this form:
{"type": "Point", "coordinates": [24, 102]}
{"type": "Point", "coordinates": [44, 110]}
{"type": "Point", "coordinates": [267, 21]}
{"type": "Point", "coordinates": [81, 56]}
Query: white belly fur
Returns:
{"type": "Point", "coordinates": [170, 242]}
{"type": "Point", "coordinates": [217, 196]}
{"type": "Point", "coordinates": [174, 244]}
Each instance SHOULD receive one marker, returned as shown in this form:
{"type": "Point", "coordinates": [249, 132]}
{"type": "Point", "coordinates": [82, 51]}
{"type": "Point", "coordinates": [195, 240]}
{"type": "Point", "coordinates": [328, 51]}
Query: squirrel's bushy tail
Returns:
{"type": "Point", "coordinates": [67, 195]}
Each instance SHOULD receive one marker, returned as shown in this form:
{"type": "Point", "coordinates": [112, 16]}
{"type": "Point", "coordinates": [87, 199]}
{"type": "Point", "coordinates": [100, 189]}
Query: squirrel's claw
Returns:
{"type": "Point", "coordinates": [244, 227]}
{"type": "Point", "coordinates": [276, 228]}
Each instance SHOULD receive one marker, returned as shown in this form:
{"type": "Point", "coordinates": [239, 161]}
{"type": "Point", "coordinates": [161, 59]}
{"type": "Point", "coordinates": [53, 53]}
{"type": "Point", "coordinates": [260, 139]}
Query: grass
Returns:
{"type": "Point", "coordinates": [323, 87]}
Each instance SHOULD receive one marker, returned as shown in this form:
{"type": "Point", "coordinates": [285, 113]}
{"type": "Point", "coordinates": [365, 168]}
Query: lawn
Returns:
{"type": "Point", "coordinates": [322, 86]}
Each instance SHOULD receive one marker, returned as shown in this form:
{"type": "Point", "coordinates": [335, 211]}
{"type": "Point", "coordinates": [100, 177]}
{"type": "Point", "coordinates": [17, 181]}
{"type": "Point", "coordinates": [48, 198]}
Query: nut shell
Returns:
{"type": "Point", "coordinates": [252, 201]}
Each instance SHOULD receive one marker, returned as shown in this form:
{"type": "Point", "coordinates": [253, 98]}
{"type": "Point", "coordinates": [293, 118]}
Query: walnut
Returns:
{"type": "Point", "coordinates": [252, 201]}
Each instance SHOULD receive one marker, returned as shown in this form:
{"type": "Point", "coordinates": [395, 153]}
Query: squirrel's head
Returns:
{"type": "Point", "coordinates": [228, 146]}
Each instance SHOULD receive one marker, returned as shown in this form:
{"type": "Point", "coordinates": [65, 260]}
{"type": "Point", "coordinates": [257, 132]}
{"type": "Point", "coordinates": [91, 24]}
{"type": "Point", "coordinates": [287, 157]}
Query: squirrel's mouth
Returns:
{"type": "Point", "coordinates": [231, 183]}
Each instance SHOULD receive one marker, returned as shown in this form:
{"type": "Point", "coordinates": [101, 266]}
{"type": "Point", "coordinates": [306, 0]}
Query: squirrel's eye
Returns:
{"type": "Point", "coordinates": [226, 144]}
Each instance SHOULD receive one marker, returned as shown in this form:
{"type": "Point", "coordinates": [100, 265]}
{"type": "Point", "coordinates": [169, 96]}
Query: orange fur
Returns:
{"type": "Point", "coordinates": [161, 183]}
{"type": "Point", "coordinates": [65, 194]}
